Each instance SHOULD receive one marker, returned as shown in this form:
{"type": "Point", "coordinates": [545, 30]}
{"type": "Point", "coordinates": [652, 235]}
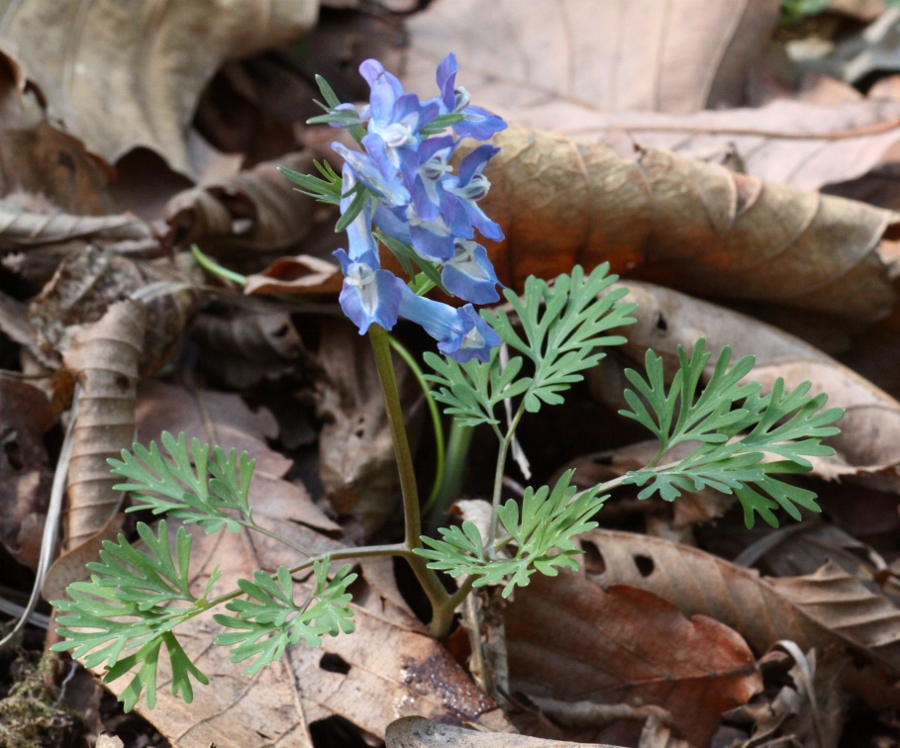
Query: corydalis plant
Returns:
{"type": "Point", "coordinates": [401, 192]}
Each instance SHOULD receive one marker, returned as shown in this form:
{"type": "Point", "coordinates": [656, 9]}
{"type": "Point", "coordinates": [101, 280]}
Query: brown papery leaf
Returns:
{"type": "Point", "coordinates": [303, 276]}
{"type": "Point", "coordinates": [22, 229]}
{"type": "Point", "coordinates": [418, 732]}
{"type": "Point", "coordinates": [667, 319]}
{"type": "Point", "coordinates": [820, 610]}
{"type": "Point", "coordinates": [680, 56]}
{"type": "Point", "coordinates": [686, 224]}
{"type": "Point", "coordinates": [569, 640]}
{"type": "Point", "coordinates": [247, 346]}
{"type": "Point", "coordinates": [257, 210]}
{"type": "Point", "coordinates": [387, 669]}
{"type": "Point", "coordinates": [796, 143]}
{"type": "Point", "coordinates": [121, 77]}
{"type": "Point", "coordinates": [358, 466]}
{"type": "Point", "coordinates": [86, 284]}
{"type": "Point", "coordinates": [104, 359]}
{"type": "Point", "coordinates": [25, 475]}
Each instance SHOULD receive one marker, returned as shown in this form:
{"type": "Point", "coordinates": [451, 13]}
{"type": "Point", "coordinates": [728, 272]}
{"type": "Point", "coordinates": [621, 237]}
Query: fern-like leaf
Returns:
{"type": "Point", "coordinates": [740, 430]}
{"type": "Point", "coordinates": [564, 326]}
{"type": "Point", "coordinates": [188, 486]}
{"type": "Point", "coordinates": [542, 532]}
{"type": "Point", "coordinates": [130, 606]}
{"type": "Point", "coordinates": [269, 619]}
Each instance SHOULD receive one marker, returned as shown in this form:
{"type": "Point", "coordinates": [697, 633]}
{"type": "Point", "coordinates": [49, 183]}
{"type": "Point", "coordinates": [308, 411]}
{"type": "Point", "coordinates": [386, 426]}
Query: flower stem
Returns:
{"type": "Point", "coordinates": [432, 586]}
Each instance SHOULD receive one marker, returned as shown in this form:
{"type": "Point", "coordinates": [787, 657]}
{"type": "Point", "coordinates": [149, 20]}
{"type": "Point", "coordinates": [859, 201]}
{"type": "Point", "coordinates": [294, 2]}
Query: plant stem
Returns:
{"type": "Point", "coordinates": [432, 586]}
{"type": "Point", "coordinates": [435, 419]}
{"type": "Point", "coordinates": [498, 475]}
{"type": "Point", "coordinates": [457, 452]}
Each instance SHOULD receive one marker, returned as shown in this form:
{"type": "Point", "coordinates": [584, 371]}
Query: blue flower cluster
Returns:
{"type": "Point", "coordinates": [412, 196]}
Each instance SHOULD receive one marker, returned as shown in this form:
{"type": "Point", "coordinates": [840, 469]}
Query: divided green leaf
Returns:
{"type": "Point", "coordinates": [541, 531]}
{"type": "Point", "coordinates": [564, 325]}
{"type": "Point", "coordinates": [269, 619]}
{"type": "Point", "coordinates": [129, 606]}
{"type": "Point", "coordinates": [188, 486]}
{"type": "Point", "coordinates": [739, 431]}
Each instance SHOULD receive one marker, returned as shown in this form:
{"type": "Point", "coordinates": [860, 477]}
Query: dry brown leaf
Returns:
{"type": "Point", "coordinates": [304, 276]}
{"type": "Point", "coordinates": [22, 229]}
{"type": "Point", "coordinates": [44, 160]}
{"type": "Point", "coordinates": [686, 224]}
{"type": "Point", "coordinates": [246, 346]}
{"type": "Point", "coordinates": [802, 144]}
{"type": "Point", "coordinates": [71, 566]}
{"type": "Point", "coordinates": [121, 77]}
{"type": "Point", "coordinates": [25, 475]}
{"type": "Point", "coordinates": [667, 319]}
{"type": "Point", "coordinates": [356, 452]}
{"type": "Point", "coordinates": [385, 670]}
{"type": "Point", "coordinates": [418, 732]}
{"type": "Point", "coordinates": [681, 55]}
{"type": "Point", "coordinates": [86, 284]}
{"type": "Point", "coordinates": [224, 419]}
{"type": "Point", "coordinates": [821, 610]}
{"type": "Point", "coordinates": [103, 359]}
{"type": "Point", "coordinates": [570, 640]}
{"type": "Point", "coordinates": [255, 210]}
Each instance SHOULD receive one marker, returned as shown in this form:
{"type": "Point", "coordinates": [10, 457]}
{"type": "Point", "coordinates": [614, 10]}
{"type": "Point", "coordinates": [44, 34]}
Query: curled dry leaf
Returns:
{"type": "Point", "coordinates": [418, 732]}
{"type": "Point", "coordinates": [45, 161]}
{"type": "Point", "coordinates": [303, 276]}
{"type": "Point", "coordinates": [103, 359]}
{"type": "Point", "coordinates": [687, 224]}
{"type": "Point", "coordinates": [667, 319]}
{"type": "Point", "coordinates": [246, 346]}
{"type": "Point", "coordinates": [256, 210]}
{"type": "Point", "coordinates": [820, 610]}
{"type": "Point", "coordinates": [121, 77]}
{"type": "Point", "coordinates": [570, 640]}
{"type": "Point", "coordinates": [25, 475]}
{"type": "Point", "coordinates": [387, 669]}
{"type": "Point", "coordinates": [679, 56]}
{"type": "Point", "coordinates": [86, 284]}
{"type": "Point", "coordinates": [22, 229]}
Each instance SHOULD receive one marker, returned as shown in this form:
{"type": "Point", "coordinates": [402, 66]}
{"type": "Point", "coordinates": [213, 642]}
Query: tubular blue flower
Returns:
{"type": "Point", "coordinates": [396, 118]}
{"type": "Point", "coordinates": [461, 333]}
{"type": "Point", "coordinates": [477, 123]}
{"type": "Point", "coordinates": [470, 186]}
{"type": "Point", "coordinates": [368, 172]}
{"type": "Point", "coordinates": [470, 275]}
{"type": "Point", "coordinates": [360, 242]}
{"type": "Point", "coordinates": [433, 240]}
{"type": "Point", "coordinates": [368, 294]}
{"type": "Point", "coordinates": [423, 179]}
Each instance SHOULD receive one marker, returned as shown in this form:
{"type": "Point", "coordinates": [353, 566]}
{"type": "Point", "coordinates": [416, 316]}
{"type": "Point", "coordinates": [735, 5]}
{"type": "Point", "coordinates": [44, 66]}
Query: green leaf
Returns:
{"type": "Point", "coordinates": [129, 608]}
{"type": "Point", "coordinates": [745, 437]}
{"type": "Point", "coordinates": [188, 486]}
{"type": "Point", "coordinates": [327, 92]}
{"type": "Point", "coordinates": [542, 532]}
{"type": "Point", "coordinates": [564, 325]}
{"type": "Point", "coordinates": [327, 190]}
{"type": "Point", "coordinates": [269, 620]}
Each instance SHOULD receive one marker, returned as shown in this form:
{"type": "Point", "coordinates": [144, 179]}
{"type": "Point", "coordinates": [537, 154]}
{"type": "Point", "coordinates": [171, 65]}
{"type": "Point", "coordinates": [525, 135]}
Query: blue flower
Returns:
{"type": "Point", "coordinates": [470, 186]}
{"type": "Point", "coordinates": [367, 171]}
{"type": "Point", "coordinates": [477, 123]}
{"type": "Point", "coordinates": [424, 179]}
{"type": "Point", "coordinates": [395, 121]}
{"type": "Point", "coordinates": [369, 294]}
{"type": "Point", "coordinates": [470, 275]}
{"type": "Point", "coordinates": [461, 333]}
{"type": "Point", "coordinates": [361, 244]}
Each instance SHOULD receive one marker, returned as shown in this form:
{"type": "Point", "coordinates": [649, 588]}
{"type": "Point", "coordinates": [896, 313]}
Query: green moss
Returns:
{"type": "Point", "coordinates": [30, 716]}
